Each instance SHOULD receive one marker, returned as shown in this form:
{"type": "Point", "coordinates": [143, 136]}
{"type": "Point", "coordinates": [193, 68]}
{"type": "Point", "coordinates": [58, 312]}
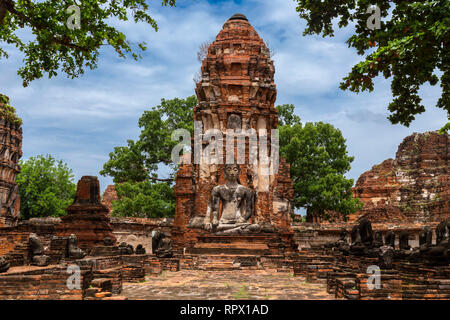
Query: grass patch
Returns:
{"type": "Point", "coordinates": [266, 295]}
{"type": "Point", "coordinates": [308, 284]}
{"type": "Point", "coordinates": [242, 293]}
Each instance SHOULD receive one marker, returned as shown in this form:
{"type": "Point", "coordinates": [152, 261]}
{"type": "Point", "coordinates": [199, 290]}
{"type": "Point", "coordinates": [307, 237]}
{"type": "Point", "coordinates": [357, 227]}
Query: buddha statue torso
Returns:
{"type": "Point", "coordinates": [237, 202]}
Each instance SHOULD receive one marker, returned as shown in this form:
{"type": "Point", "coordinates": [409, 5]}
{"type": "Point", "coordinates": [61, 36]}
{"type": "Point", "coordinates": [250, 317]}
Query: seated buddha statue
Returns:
{"type": "Point", "coordinates": [237, 205]}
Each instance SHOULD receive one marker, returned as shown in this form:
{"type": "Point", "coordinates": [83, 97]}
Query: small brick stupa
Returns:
{"type": "Point", "coordinates": [87, 218]}
{"type": "Point", "coordinates": [236, 92]}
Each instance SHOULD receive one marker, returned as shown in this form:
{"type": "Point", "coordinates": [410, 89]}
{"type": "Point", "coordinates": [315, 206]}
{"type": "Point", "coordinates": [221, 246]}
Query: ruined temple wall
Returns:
{"type": "Point", "coordinates": [133, 231]}
{"type": "Point", "coordinates": [309, 235]}
{"type": "Point", "coordinates": [136, 231]}
{"type": "Point", "coordinates": [412, 188]}
{"type": "Point", "coordinates": [37, 283]}
{"type": "Point", "coordinates": [17, 236]}
{"type": "Point", "coordinates": [9, 238]}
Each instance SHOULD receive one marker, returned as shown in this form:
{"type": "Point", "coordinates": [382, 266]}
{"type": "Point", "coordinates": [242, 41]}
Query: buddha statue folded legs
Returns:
{"type": "Point", "coordinates": [237, 203]}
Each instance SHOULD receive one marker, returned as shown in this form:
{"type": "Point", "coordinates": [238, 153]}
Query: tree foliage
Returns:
{"type": "Point", "coordinates": [141, 160]}
{"type": "Point", "coordinates": [8, 112]}
{"type": "Point", "coordinates": [144, 199]}
{"type": "Point", "coordinates": [286, 116]}
{"type": "Point", "coordinates": [319, 160]}
{"type": "Point", "coordinates": [126, 164]}
{"type": "Point", "coordinates": [411, 46]}
{"type": "Point", "coordinates": [157, 127]}
{"type": "Point", "coordinates": [56, 46]}
{"type": "Point", "coordinates": [46, 187]}
{"type": "Point", "coordinates": [135, 167]}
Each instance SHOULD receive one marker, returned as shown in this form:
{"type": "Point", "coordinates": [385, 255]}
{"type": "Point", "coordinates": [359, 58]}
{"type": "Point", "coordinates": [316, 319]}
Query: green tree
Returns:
{"type": "Point", "coordinates": [144, 199]}
{"type": "Point", "coordinates": [157, 127]}
{"type": "Point", "coordinates": [46, 187]}
{"type": "Point", "coordinates": [126, 164]}
{"type": "Point", "coordinates": [411, 46]}
{"type": "Point", "coordinates": [140, 160]}
{"type": "Point", "coordinates": [135, 167]}
{"type": "Point", "coordinates": [286, 116]}
{"type": "Point", "coordinates": [319, 160]}
{"type": "Point", "coordinates": [56, 46]}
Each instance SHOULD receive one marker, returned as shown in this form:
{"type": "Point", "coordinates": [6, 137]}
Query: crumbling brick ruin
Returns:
{"type": "Point", "coordinates": [232, 217]}
{"type": "Point", "coordinates": [10, 153]}
{"type": "Point", "coordinates": [87, 217]}
{"type": "Point", "coordinates": [236, 92]}
{"type": "Point", "coordinates": [406, 198]}
{"type": "Point", "coordinates": [412, 188]}
{"type": "Point", "coordinates": [109, 196]}
{"type": "Point", "coordinates": [39, 269]}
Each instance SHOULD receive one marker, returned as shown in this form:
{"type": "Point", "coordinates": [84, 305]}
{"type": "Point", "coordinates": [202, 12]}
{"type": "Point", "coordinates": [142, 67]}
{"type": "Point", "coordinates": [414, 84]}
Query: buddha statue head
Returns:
{"type": "Point", "coordinates": [231, 172]}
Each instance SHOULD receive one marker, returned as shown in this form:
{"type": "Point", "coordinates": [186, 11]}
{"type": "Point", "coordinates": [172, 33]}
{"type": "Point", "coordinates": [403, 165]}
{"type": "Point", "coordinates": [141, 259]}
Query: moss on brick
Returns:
{"type": "Point", "coordinates": [8, 112]}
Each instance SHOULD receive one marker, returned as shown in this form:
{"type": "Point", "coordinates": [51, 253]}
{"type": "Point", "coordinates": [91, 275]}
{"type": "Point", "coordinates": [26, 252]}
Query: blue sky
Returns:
{"type": "Point", "coordinates": [80, 121]}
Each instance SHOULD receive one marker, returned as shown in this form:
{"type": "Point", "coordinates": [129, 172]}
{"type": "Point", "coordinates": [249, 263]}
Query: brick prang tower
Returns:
{"type": "Point", "coordinates": [236, 91]}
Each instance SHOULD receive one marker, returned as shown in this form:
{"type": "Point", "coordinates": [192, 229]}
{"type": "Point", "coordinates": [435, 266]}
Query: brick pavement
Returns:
{"type": "Point", "coordinates": [225, 285]}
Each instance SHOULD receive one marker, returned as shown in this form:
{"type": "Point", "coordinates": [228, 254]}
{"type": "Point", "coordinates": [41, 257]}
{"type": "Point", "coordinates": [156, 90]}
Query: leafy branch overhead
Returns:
{"type": "Point", "coordinates": [411, 46]}
{"type": "Point", "coordinates": [55, 46]}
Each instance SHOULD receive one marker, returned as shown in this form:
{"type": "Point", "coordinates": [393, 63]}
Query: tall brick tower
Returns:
{"type": "Point", "coordinates": [236, 92]}
{"type": "Point", "coordinates": [10, 153]}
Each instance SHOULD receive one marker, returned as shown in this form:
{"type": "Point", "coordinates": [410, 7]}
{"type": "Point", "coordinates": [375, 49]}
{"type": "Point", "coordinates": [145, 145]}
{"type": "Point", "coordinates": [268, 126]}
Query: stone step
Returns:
{"type": "Point", "coordinates": [217, 264]}
{"type": "Point", "coordinates": [243, 245]}
{"type": "Point", "coordinates": [91, 292]}
{"type": "Point", "coordinates": [218, 268]}
{"type": "Point", "coordinates": [103, 294]}
{"type": "Point", "coordinates": [227, 262]}
{"type": "Point", "coordinates": [228, 249]}
{"type": "Point", "coordinates": [121, 298]}
{"type": "Point", "coordinates": [103, 283]}
{"type": "Point", "coordinates": [254, 238]}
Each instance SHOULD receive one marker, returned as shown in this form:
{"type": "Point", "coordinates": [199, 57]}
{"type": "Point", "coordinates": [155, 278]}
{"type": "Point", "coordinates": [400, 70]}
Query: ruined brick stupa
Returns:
{"type": "Point", "coordinates": [87, 217]}
{"type": "Point", "coordinates": [222, 201]}
{"type": "Point", "coordinates": [10, 153]}
{"type": "Point", "coordinates": [412, 188]}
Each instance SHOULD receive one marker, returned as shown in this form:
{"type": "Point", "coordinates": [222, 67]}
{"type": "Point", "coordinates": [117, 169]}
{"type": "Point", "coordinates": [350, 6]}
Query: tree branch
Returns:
{"type": "Point", "coordinates": [161, 180]}
{"type": "Point", "coordinates": [5, 5]}
{"type": "Point", "coordinates": [9, 6]}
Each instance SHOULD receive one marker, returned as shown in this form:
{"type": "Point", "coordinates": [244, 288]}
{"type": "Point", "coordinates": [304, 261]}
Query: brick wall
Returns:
{"type": "Point", "coordinates": [136, 231]}
{"type": "Point", "coordinates": [37, 283]}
